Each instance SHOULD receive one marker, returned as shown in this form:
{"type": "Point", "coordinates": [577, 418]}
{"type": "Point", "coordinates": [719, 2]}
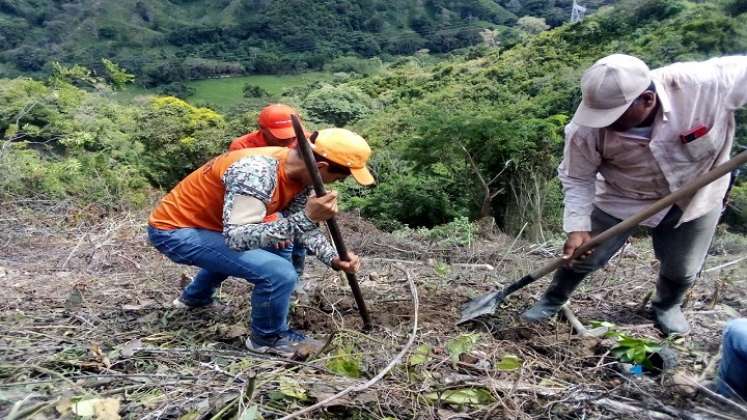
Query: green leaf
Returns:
{"type": "Point", "coordinates": [460, 345]}
{"type": "Point", "coordinates": [345, 364]}
{"type": "Point", "coordinates": [250, 413]}
{"type": "Point", "coordinates": [190, 415]}
{"type": "Point", "coordinates": [462, 396]}
{"type": "Point", "coordinates": [291, 388]}
{"type": "Point", "coordinates": [420, 356]}
{"type": "Point", "coordinates": [508, 363]}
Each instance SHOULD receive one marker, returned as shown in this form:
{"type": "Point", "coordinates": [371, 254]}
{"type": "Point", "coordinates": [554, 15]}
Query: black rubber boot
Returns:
{"type": "Point", "coordinates": [557, 294]}
{"type": "Point", "coordinates": [666, 304]}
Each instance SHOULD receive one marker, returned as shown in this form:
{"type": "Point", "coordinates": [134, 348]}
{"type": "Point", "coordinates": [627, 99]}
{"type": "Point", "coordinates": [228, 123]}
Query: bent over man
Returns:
{"type": "Point", "coordinates": [276, 129]}
{"type": "Point", "coordinates": [215, 219]}
{"type": "Point", "coordinates": [637, 136]}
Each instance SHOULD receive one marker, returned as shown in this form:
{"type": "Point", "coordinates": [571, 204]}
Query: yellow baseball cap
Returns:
{"type": "Point", "coordinates": [347, 149]}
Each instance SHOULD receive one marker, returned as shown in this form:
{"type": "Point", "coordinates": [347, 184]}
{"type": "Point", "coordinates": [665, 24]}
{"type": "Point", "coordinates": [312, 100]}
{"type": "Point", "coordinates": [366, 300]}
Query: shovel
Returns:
{"type": "Point", "coordinates": [488, 303]}
{"type": "Point", "coordinates": [334, 229]}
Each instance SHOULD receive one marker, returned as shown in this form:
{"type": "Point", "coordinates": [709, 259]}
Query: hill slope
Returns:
{"type": "Point", "coordinates": [507, 110]}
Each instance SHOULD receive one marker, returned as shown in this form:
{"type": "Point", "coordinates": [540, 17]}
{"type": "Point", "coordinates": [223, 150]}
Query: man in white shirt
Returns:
{"type": "Point", "coordinates": [638, 135]}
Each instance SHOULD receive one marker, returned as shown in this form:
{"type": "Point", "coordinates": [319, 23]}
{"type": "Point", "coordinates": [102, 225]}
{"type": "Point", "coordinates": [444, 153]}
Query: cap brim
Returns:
{"type": "Point", "coordinates": [598, 118]}
{"type": "Point", "coordinates": [362, 175]}
{"type": "Point", "coordinates": [283, 133]}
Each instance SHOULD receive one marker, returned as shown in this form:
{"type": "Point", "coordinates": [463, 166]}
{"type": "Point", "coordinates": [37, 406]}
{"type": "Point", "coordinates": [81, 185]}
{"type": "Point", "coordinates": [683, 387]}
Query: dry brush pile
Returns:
{"type": "Point", "coordinates": [86, 329]}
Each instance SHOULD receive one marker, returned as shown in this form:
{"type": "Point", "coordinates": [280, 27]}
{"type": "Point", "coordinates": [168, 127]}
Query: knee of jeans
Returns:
{"type": "Point", "coordinates": [282, 276]}
{"type": "Point", "coordinates": [735, 335]}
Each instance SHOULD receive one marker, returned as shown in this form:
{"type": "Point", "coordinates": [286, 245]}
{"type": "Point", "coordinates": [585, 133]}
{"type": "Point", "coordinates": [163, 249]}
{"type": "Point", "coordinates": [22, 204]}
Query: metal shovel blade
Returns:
{"type": "Point", "coordinates": [481, 305]}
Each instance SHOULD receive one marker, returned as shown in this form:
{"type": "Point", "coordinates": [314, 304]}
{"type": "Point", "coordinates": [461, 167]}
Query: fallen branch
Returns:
{"type": "Point", "coordinates": [718, 397]}
{"type": "Point", "coordinates": [397, 359]}
{"type": "Point", "coordinates": [730, 263]}
{"type": "Point", "coordinates": [621, 407]}
{"type": "Point", "coordinates": [75, 249]}
{"type": "Point", "coordinates": [487, 267]}
{"type": "Point", "coordinates": [501, 385]}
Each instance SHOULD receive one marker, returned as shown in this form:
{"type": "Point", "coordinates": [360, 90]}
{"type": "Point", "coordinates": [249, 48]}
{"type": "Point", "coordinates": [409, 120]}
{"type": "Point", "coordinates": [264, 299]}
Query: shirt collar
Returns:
{"type": "Point", "coordinates": [663, 96]}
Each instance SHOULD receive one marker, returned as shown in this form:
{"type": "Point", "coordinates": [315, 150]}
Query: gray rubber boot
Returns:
{"type": "Point", "coordinates": [666, 304]}
{"type": "Point", "coordinates": [557, 294]}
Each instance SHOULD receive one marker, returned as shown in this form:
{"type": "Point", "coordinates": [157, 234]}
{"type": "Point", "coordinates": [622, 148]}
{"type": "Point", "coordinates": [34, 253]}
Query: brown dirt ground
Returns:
{"type": "Point", "coordinates": [86, 314]}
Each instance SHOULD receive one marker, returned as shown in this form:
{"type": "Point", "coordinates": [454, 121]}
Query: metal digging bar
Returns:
{"type": "Point", "coordinates": [489, 302]}
{"type": "Point", "coordinates": [334, 229]}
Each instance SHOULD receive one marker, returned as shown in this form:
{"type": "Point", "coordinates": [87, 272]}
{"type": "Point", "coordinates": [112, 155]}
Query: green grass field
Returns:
{"type": "Point", "coordinates": [227, 92]}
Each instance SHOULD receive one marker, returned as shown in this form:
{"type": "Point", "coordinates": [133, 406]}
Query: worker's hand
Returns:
{"type": "Point", "coordinates": [283, 244]}
{"type": "Point", "coordinates": [351, 266]}
{"type": "Point", "coordinates": [319, 209]}
{"type": "Point", "coordinates": [575, 240]}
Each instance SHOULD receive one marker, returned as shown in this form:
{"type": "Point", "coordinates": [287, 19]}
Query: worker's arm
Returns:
{"type": "Point", "coordinates": [249, 185]}
{"type": "Point", "coordinates": [313, 239]}
{"type": "Point", "coordinates": [732, 80]}
{"type": "Point", "coordinates": [577, 173]}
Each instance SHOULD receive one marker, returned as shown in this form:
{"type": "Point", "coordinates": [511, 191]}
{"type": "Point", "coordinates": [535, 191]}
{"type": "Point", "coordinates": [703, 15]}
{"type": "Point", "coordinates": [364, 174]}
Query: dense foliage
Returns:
{"type": "Point", "coordinates": [60, 141]}
{"type": "Point", "coordinates": [499, 114]}
{"type": "Point", "coordinates": [165, 41]}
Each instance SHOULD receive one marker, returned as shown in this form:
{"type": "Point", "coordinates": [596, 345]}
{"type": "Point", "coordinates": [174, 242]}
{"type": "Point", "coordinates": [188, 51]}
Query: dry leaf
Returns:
{"type": "Point", "coordinates": [99, 355]}
{"type": "Point", "coordinates": [74, 300]}
{"type": "Point", "coordinates": [130, 348]}
{"type": "Point", "coordinates": [99, 408]}
{"type": "Point", "coordinates": [63, 406]}
{"type": "Point", "coordinates": [231, 331]}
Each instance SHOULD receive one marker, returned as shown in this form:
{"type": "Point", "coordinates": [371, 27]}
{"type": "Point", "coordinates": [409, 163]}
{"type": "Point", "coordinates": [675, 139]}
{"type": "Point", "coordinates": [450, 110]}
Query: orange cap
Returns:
{"type": "Point", "coordinates": [345, 148]}
{"type": "Point", "coordinates": [277, 119]}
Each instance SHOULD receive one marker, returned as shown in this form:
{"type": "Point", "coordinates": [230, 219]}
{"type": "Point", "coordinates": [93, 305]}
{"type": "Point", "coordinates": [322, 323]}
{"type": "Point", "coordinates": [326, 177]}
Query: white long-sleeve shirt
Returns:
{"type": "Point", "coordinates": [622, 173]}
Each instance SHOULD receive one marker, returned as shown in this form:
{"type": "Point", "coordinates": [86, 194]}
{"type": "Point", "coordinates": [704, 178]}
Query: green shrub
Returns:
{"type": "Point", "coordinates": [178, 138]}
{"type": "Point", "coordinates": [736, 214]}
{"type": "Point", "coordinates": [337, 105]}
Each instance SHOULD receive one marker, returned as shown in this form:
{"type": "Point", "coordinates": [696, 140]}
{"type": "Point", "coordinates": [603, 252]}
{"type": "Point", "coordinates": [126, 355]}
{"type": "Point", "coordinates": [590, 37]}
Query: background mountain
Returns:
{"type": "Point", "coordinates": [442, 128]}
{"type": "Point", "coordinates": [165, 41]}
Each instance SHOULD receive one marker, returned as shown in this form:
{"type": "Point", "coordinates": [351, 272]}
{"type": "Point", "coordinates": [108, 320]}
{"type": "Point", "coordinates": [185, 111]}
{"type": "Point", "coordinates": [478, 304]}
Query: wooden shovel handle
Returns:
{"type": "Point", "coordinates": [334, 229]}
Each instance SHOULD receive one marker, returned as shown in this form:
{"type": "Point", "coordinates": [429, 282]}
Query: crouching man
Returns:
{"type": "Point", "coordinates": [215, 219]}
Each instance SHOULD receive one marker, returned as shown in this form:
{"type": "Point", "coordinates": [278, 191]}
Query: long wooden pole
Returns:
{"type": "Point", "coordinates": [487, 303]}
{"type": "Point", "coordinates": [334, 229]}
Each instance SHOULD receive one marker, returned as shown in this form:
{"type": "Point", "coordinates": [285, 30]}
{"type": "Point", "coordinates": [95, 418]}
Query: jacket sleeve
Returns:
{"type": "Point", "coordinates": [250, 182]}
{"type": "Point", "coordinates": [732, 79]}
{"type": "Point", "coordinates": [577, 173]}
{"type": "Point", "coordinates": [253, 180]}
{"type": "Point", "coordinates": [314, 239]}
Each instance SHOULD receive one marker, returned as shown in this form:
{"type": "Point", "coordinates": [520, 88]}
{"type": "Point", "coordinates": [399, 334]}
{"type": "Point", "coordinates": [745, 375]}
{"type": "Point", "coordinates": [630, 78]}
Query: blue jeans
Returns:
{"type": "Point", "coordinates": [298, 256]}
{"type": "Point", "coordinates": [732, 375]}
{"type": "Point", "coordinates": [270, 270]}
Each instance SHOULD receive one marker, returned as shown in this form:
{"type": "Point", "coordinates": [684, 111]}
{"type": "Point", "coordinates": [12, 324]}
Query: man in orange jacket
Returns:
{"type": "Point", "coordinates": [215, 219]}
{"type": "Point", "coordinates": [275, 129]}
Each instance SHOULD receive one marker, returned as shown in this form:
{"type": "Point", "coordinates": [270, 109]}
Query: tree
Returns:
{"type": "Point", "coordinates": [337, 105]}
{"type": "Point", "coordinates": [254, 91]}
{"type": "Point", "coordinates": [532, 25]}
{"type": "Point", "coordinates": [116, 75]}
{"type": "Point", "coordinates": [177, 89]}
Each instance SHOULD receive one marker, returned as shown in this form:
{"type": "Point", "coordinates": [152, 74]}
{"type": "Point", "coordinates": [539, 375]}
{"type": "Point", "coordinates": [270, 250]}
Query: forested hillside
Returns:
{"type": "Point", "coordinates": [503, 112]}
{"type": "Point", "coordinates": [441, 131]}
{"type": "Point", "coordinates": [164, 41]}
